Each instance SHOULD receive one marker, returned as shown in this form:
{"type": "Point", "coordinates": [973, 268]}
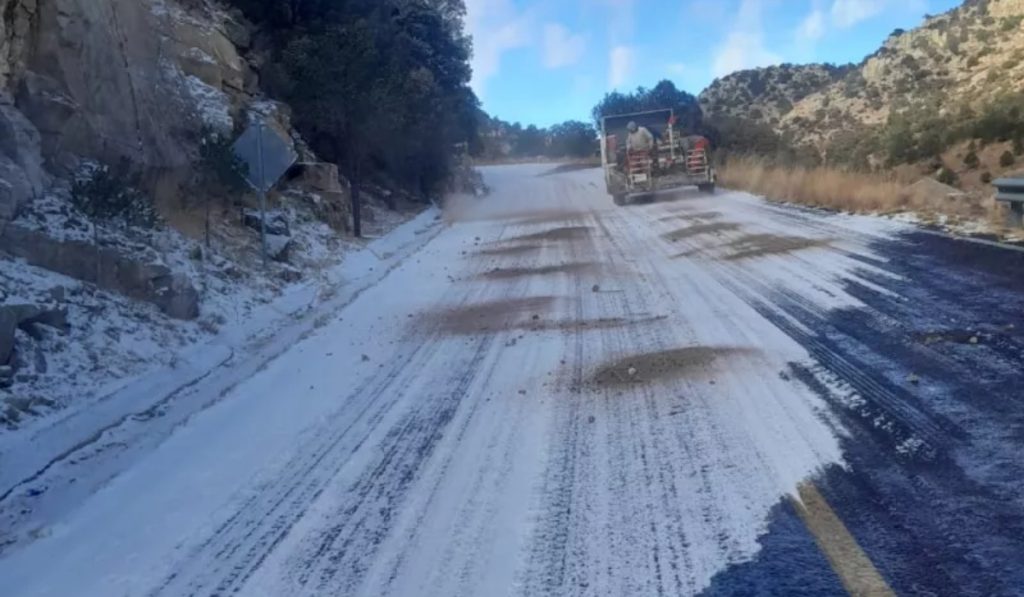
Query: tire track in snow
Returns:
{"type": "Point", "coordinates": [910, 446]}
{"type": "Point", "coordinates": [240, 545]}
{"type": "Point", "coordinates": [548, 564]}
{"type": "Point", "coordinates": [344, 550]}
{"type": "Point", "coordinates": [647, 534]}
{"type": "Point", "coordinates": [339, 557]}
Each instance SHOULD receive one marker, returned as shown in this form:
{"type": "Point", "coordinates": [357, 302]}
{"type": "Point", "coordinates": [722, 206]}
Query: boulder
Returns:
{"type": "Point", "coordinates": [107, 267]}
{"type": "Point", "coordinates": [51, 317]}
{"type": "Point", "coordinates": [277, 223]}
{"type": "Point", "coordinates": [279, 247]}
{"type": "Point", "coordinates": [315, 177]}
{"type": "Point", "coordinates": [336, 210]}
{"type": "Point", "coordinates": [13, 317]}
{"type": "Point", "coordinates": [290, 275]}
{"type": "Point", "coordinates": [174, 295]}
{"type": "Point", "coordinates": [333, 208]}
{"type": "Point", "coordinates": [929, 188]}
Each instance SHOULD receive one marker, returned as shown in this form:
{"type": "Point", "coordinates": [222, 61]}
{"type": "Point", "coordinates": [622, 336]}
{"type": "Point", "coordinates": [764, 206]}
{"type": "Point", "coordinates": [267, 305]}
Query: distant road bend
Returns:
{"type": "Point", "coordinates": [556, 396]}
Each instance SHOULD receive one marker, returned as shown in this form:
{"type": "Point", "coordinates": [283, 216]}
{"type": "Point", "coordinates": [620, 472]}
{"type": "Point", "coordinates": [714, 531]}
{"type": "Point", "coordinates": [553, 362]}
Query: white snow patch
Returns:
{"type": "Point", "coordinates": [212, 105]}
{"type": "Point", "coordinates": [111, 338]}
{"type": "Point", "coordinates": [199, 55]}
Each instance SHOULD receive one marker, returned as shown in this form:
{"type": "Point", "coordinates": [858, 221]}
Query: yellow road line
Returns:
{"type": "Point", "coordinates": [858, 575]}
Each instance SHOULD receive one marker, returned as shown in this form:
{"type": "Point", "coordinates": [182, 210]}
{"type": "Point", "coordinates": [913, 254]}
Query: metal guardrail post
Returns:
{"type": "Point", "coordinates": [1011, 191]}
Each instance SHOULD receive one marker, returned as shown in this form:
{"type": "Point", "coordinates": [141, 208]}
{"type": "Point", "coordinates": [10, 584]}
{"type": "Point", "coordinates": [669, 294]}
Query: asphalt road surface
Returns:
{"type": "Point", "coordinates": [555, 396]}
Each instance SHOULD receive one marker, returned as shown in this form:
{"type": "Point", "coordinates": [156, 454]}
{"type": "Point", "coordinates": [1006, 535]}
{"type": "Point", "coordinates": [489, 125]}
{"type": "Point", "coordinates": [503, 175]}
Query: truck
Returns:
{"type": "Point", "coordinates": [677, 160]}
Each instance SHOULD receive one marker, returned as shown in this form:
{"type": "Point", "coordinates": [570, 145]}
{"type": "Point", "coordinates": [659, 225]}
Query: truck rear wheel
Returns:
{"type": "Point", "coordinates": [619, 199]}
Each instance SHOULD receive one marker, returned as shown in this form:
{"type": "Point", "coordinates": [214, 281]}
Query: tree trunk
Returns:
{"type": "Point", "coordinates": [209, 200]}
{"type": "Point", "coordinates": [357, 217]}
{"type": "Point", "coordinates": [96, 245]}
{"type": "Point", "coordinates": [352, 159]}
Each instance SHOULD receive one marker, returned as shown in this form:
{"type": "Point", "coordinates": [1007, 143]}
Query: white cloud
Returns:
{"type": "Point", "coordinates": [708, 11]}
{"type": "Point", "coordinates": [847, 13]}
{"type": "Point", "coordinates": [812, 28]}
{"type": "Point", "coordinates": [677, 69]}
{"type": "Point", "coordinates": [561, 47]}
{"type": "Point", "coordinates": [496, 27]}
{"type": "Point", "coordinates": [744, 47]}
{"type": "Point", "coordinates": [621, 20]}
{"type": "Point", "coordinates": [621, 62]}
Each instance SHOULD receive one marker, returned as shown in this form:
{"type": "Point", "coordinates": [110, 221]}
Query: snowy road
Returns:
{"type": "Point", "coordinates": [556, 396]}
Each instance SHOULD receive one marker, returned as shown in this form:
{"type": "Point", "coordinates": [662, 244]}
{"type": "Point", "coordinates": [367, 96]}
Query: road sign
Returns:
{"type": "Point", "coordinates": [267, 156]}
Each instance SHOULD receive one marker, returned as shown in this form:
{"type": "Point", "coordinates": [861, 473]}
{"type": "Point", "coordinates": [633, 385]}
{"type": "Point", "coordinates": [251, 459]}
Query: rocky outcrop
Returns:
{"type": "Point", "coordinates": [106, 79]}
{"type": "Point", "coordinates": [107, 267]}
{"type": "Point", "coordinates": [21, 164]}
{"type": "Point", "coordinates": [24, 317]}
{"type": "Point", "coordinates": [16, 18]}
{"type": "Point", "coordinates": [320, 184]}
{"type": "Point", "coordinates": [955, 61]}
{"type": "Point", "coordinates": [276, 222]}
{"type": "Point", "coordinates": [279, 247]}
{"type": "Point", "coordinates": [960, 59]}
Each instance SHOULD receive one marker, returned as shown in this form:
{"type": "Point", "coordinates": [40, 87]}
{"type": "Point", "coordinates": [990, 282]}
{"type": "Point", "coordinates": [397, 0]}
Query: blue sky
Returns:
{"type": "Point", "coordinates": [546, 61]}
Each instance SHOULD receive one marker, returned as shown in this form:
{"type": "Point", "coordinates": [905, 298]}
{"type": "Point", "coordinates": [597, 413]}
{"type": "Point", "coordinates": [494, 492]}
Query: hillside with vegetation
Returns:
{"type": "Point", "coordinates": [952, 84]}
{"type": "Point", "coordinates": [499, 141]}
{"type": "Point", "coordinates": [766, 95]}
{"type": "Point", "coordinates": [125, 221]}
{"type": "Point", "coordinates": [377, 86]}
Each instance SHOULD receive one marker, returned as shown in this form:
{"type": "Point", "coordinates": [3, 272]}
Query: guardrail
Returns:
{"type": "Point", "coordinates": [1011, 191]}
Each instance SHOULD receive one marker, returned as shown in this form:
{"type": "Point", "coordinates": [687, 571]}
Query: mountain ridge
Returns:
{"type": "Point", "coordinates": [949, 69]}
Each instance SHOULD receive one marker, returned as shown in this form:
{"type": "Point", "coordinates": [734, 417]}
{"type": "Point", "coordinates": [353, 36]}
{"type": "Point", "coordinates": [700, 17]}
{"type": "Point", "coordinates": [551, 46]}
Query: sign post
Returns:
{"type": "Point", "coordinates": [263, 192]}
{"type": "Point", "coordinates": [267, 156]}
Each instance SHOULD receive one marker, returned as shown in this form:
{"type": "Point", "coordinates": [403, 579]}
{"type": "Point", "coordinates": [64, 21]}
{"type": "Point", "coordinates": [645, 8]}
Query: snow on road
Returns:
{"type": "Point", "coordinates": [554, 397]}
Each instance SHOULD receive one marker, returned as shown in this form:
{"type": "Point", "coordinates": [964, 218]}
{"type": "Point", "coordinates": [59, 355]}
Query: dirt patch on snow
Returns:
{"type": "Point", "coordinates": [699, 230]}
{"type": "Point", "coordinates": [688, 254]}
{"type": "Point", "coordinates": [572, 325]}
{"type": "Point", "coordinates": [525, 315]}
{"type": "Point", "coordinates": [562, 233]}
{"type": "Point", "coordinates": [511, 250]}
{"type": "Point", "coordinates": [492, 316]}
{"type": "Point", "coordinates": [508, 273]}
{"type": "Point", "coordinates": [550, 217]}
{"type": "Point", "coordinates": [704, 215]}
{"type": "Point", "coordinates": [692, 361]}
{"type": "Point", "coordinates": [762, 245]}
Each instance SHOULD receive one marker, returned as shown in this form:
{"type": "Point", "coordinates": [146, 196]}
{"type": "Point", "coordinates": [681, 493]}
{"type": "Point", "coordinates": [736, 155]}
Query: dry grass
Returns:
{"type": "Point", "coordinates": [854, 192]}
